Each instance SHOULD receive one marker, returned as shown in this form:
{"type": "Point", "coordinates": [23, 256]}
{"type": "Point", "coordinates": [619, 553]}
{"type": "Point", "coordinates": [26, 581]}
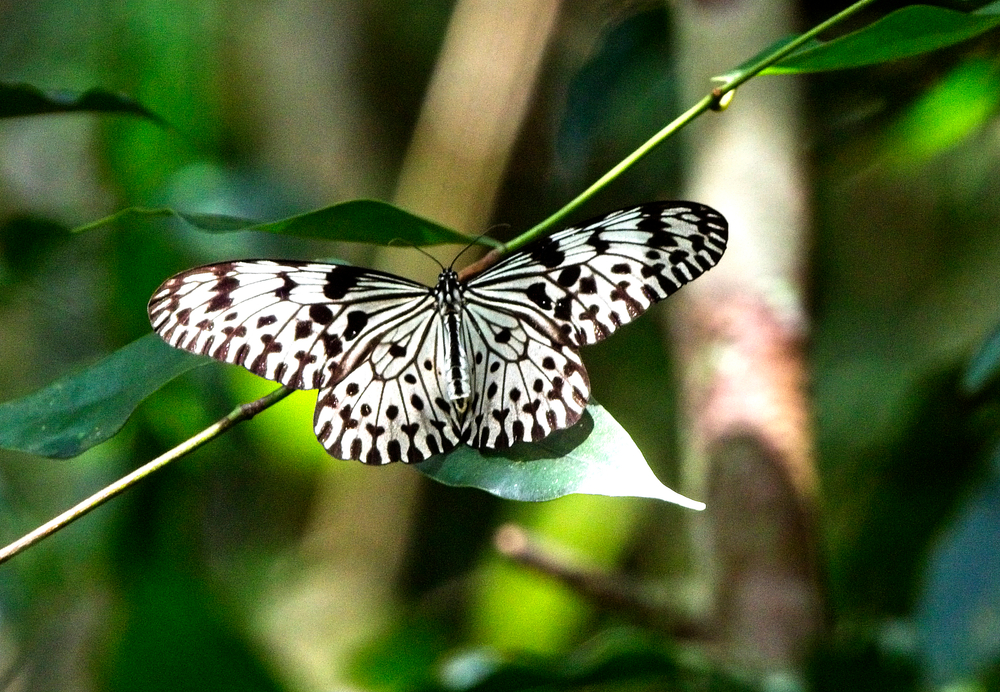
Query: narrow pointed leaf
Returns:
{"type": "Point", "coordinates": [594, 457]}
{"type": "Point", "coordinates": [17, 100]}
{"type": "Point", "coordinates": [78, 411]}
{"type": "Point", "coordinates": [907, 32]}
{"type": "Point", "coordinates": [357, 221]}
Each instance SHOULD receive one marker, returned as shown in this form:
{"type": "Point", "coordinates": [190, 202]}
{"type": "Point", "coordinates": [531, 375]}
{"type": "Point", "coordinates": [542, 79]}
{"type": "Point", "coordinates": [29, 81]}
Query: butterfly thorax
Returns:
{"type": "Point", "coordinates": [454, 364]}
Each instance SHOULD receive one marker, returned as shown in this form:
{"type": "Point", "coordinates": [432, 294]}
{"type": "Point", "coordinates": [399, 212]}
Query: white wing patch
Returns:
{"type": "Point", "coordinates": [374, 344]}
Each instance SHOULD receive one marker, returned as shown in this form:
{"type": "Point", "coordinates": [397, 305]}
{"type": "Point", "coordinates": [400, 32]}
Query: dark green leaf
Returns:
{"type": "Point", "coordinates": [18, 100]}
{"type": "Point", "coordinates": [985, 365]}
{"type": "Point", "coordinates": [173, 633]}
{"type": "Point", "coordinates": [904, 33]}
{"type": "Point", "coordinates": [78, 411]}
{"type": "Point", "coordinates": [595, 457]}
{"type": "Point", "coordinates": [357, 221]}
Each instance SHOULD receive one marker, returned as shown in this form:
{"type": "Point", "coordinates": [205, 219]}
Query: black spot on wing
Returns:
{"type": "Point", "coordinates": [340, 280]}
{"type": "Point", "coordinates": [537, 295]}
{"type": "Point", "coordinates": [356, 321]}
{"type": "Point", "coordinates": [547, 253]}
{"type": "Point", "coordinates": [320, 314]}
{"type": "Point", "coordinates": [226, 284]}
{"type": "Point", "coordinates": [568, 276]}
{"type": "Point", "coordinates": [285, 292]}
{"type": "Point", "coordinates": [303, 328]}
{"type": "Point", "coordinates": [563, 309]}
{"type": "Point", "coordinates": [332, 345]}
{"type": "Point", "coordinates": [221, 301]}
{"type": "Point", "coordinates": [394, 451]}
{"type": "Point", "coordinates": [598, 243]}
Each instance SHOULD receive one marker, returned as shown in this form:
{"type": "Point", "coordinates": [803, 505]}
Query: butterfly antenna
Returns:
{"type": "Point", "coordinates": [418, 249]}
{"type": "Point", "coordinates": [471, 243]}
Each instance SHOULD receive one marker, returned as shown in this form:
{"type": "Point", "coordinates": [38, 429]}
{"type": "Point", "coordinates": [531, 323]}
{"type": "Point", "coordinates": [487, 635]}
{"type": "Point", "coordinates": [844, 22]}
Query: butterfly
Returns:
{"type": "Point", "coordinates": [406, 371]}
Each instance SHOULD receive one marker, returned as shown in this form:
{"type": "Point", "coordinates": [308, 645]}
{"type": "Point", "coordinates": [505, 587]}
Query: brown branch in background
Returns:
{"type": "Point", "coordinates": [646, 602]}
{"type": "Point", "coordinates": [479, 265]}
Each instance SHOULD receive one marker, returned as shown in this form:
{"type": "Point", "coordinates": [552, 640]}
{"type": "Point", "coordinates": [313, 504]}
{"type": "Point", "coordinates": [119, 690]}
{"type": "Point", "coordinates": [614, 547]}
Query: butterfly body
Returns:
{"type": "Point", "coordinates": [406, 371]}
{"type": "Point", "coordinates": [451, 304]}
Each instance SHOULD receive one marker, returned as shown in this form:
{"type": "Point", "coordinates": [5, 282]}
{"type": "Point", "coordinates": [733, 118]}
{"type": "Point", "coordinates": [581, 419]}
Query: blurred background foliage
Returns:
{"type": "Point", "coordinates": [259, 563]}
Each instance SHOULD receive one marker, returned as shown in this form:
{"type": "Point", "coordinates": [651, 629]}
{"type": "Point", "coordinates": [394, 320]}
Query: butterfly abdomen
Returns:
{"type": "Point", "coordinates": [454, 364]}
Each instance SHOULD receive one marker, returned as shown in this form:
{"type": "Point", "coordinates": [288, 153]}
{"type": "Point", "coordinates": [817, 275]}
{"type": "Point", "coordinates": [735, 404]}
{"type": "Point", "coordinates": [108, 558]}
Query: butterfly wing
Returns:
{"type": "Point", "coordinates": [391, 406]}
{"type": "Point", "coordinates": [529, 313]}
{"type": "Point", "coordinates": [359, 336]}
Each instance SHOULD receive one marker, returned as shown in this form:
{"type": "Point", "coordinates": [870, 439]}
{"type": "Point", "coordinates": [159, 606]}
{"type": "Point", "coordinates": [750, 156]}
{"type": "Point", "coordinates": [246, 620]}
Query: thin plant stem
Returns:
{"type": "Point", "coordinates": [237, 415]}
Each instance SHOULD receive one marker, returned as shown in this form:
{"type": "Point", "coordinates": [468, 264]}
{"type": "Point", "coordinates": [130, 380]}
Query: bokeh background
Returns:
{"type": "Point", "coordinates": [261, 563]}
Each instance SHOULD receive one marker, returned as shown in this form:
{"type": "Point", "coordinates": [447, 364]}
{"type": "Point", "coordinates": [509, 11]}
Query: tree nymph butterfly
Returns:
{"type": "Point", "coordinates": [406, 371]}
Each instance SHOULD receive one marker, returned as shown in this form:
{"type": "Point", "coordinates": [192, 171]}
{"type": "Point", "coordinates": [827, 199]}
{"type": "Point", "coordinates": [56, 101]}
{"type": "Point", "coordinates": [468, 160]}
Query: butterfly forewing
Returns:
{"type": "Point", "coordinates": [532, 310]}
{"type": "Point", "coordinates": [580, 284]}
{"type": "Point", "coordinates": [286, 321]}
{"type": "Point", "coordinates": [380, 351]}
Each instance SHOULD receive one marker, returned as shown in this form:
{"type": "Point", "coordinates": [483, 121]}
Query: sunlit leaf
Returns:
{"type": "Point", "coordinates": [17, 100]}
{"type": "Point", "coordinates": [595, 457]}
{"type": "Point", "coordinates": [78, 411]}
{"type": "Point", "coordinates": [358, 221]}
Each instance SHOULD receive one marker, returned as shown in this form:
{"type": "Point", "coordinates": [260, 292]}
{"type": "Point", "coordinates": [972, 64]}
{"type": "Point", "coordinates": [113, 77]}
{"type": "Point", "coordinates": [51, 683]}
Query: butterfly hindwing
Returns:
{"type": "Point", "coordinates": [526, 384]}
{"type": "Point", "coordinates": [391, 407]}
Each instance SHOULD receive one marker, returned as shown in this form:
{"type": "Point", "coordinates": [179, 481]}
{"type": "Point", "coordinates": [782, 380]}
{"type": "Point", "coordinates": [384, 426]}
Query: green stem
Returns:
{"type": "Point", "coordinates": [709, 102]}
{"type": "Point", "coordinates": [240, 413]}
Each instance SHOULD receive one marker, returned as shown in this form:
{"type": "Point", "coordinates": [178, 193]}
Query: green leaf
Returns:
{"type": "Point", "coordinates": [908, 31]}
{"type": "Point", "coordinates": [985, 365]}
{"type": "Point", "coordinates": [357, 221]}
{"type": "Point", "coordinates": [78, 411]}
{"type": "Point", "coordinates": [594, 457]}
{"type": "Point", "coordinates": [17, 100]}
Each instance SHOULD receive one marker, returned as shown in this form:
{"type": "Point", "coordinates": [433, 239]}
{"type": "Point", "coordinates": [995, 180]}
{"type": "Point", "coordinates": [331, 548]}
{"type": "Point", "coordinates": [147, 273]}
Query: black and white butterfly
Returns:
{"type": "Point", "coordinates": [405, 371]}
